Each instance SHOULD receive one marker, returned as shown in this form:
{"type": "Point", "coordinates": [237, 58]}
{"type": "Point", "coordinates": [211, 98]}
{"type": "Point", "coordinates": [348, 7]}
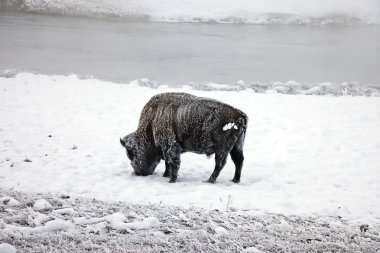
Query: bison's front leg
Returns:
{"type": "Point", "coordinates": [173, 161]}
{"type": "Point", "coordinates": [220, 161]}
{"type": "Point", "coordinates": [167, 170]}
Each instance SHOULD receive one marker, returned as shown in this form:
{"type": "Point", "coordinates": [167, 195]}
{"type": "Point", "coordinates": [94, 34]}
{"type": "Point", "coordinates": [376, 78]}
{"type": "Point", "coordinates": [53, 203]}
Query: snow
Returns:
{"type": "Point", "coordinates": [117, 222]}
{"type": "Point", "coordinates": [230, 11]}
{"type": "Point", "coordinates": [50, 226]}
{"type": "Point", "coordinates": [228, 126]}
{"type": "Point", "coordinates": [168, 227]}
{"type": "Point", "coordinates": [56, 225]}
{"type": "Point", "coordinates": [37, 219]}
{"type": "Point", "coordinates": [304, 155]}
{"type": "Point", "coordinates": [221, 230]}
{"type": "Point", "coordinates": [7, 248]}
{"type": "Point", "coordinates": [8, 201]}
{"type": "Point", "coordinates": [290, 87]}
{"type": "Point", "coordinates": [147, 223]}
{"type": "Point", "coordinates": [252, 250]}
{"type": "Point", "coordinates": [65, 211]}
{"type": "Point", "coordinates": [41, 204]}
{"type": "Point", "coordinates": [314, 91]}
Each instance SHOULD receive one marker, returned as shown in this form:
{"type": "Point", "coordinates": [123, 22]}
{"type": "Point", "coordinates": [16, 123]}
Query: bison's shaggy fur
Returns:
{"type": "Point", "coordinates": [174, 123]}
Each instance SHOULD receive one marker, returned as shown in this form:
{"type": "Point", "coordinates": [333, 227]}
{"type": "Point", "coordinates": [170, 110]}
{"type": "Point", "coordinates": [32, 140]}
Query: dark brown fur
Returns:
{"type": "Point", "coordinates": [173, 123]}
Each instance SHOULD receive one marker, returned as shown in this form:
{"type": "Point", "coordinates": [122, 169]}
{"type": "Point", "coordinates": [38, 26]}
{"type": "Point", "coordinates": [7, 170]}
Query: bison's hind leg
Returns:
{"type": "Point", "coordinates": [220, 161]}
{"type": "Point", "coordinates": [234, 146]}
{"type": "Point", "coordinates": [238, 157]}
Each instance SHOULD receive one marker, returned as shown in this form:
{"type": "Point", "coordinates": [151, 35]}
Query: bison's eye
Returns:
{"type": "Point", "coordinates": [130, 154]}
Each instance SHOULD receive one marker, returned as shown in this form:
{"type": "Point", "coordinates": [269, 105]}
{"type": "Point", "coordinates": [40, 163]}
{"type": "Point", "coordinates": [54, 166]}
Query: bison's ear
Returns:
{"type": "Point", "coordinates": [122, 142]}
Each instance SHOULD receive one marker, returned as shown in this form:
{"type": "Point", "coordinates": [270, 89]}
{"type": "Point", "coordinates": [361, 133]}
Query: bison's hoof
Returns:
{"type": "Point", "coordinates": [212, 180]}
{"type": "Point", "coordinates": [173, 180]}
{"type": "Point", "coordinates": [236, 181]}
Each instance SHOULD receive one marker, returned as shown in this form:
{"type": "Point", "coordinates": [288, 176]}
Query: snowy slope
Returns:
{"type": "Point", "coordinates": [305, 155]}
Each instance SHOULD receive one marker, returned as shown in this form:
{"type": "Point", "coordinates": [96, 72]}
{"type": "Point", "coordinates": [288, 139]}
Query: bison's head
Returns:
{"type": "Point", "coordinates": [144, 158]}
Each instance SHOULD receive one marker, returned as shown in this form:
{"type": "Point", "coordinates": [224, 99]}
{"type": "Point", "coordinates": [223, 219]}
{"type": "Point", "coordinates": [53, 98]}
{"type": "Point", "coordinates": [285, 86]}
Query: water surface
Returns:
{"type": "Point", "coordinates": [179, 53]}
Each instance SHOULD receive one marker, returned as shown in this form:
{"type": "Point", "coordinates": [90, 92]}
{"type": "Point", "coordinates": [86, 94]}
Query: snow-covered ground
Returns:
{"type": "Point", "coordinates": [228, 11]}
{"type": "Point", "coordinates": [304, 155]}
{"type": "Point", "coordinates": [87, 225]}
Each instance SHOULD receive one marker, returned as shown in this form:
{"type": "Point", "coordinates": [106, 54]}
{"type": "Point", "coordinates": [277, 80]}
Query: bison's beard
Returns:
{"type": "Point", "coordinates": [146, 169]}
{"type": "Point", "coordinates": [145, 164]}
{"type": "Point", "coordinates": [143, 154]}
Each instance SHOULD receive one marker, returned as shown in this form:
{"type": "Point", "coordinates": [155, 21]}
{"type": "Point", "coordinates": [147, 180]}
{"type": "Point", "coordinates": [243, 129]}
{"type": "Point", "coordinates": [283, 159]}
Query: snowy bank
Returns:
{"type": "Point", "coordinates": [351, 88]}
{"type": "Point", "coordinates": [304, 155]}
{"type": "Point", "coordinates": [229, 11]}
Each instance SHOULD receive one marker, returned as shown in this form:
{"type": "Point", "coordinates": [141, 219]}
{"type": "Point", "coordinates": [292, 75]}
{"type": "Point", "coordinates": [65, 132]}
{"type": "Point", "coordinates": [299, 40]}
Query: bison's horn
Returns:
{"type": "Point", "coordinates": [122, 142]}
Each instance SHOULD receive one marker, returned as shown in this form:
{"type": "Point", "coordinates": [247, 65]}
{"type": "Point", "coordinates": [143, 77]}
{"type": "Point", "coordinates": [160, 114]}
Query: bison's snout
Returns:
{"type": "Point", "coordinates": [144, 166]}
{"type": "Point", "coordinates": [143, 173]}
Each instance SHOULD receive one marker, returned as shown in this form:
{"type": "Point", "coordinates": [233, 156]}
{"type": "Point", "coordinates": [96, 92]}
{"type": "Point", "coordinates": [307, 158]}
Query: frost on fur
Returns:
{"type": "Point", "coordinates": [229, 126]}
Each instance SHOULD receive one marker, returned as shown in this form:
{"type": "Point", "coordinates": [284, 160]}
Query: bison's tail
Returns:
{"type": "Point", "coordinates": [242, 122]}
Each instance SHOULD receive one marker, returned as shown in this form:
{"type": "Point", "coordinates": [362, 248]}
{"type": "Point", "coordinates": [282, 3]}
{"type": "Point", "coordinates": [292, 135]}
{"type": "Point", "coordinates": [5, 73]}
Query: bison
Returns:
{"type": "Point", "coordinates": [173, 123]}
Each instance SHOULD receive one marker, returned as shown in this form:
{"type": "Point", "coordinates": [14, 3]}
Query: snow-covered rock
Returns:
{"type": "Point", "coordinates": [7, 248]}
{"type": "Point", "coordinates": [252, 250]}
{"type": "Point", "coordinates": [56, 225]}
{"type": "Point", "coordinates": [8, 201]}
{"type": "Point", "coordinates": [221, 230]}
{"type": "Point", "coordinates": [317, 90]}
{"type": "Point", "coordinates": [50, 226]}
{"type": "Point", "coordinates": [64, 211]}
{"type": "Point", "coordinates": [41, 205]}
{"type": "Point", "coordinates": [116, 221]}
{"type": "Point", "coordinates": [289, 87]}
{"type": "Point", "coordinates": [36, 218]}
